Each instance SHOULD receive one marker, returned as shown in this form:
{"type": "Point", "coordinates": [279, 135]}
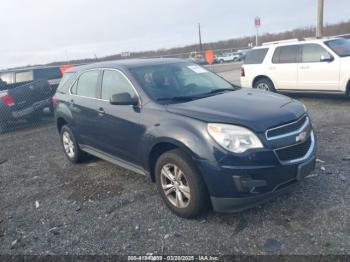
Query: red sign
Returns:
{"type": "Point", "coordinates": [257, 22]}
{"type": "Point", "coordinates": [209, 56]}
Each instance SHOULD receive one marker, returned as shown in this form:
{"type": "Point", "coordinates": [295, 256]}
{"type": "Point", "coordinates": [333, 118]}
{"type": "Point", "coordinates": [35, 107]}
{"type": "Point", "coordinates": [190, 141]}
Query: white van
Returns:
{"type": "Point", "coordinates": [319, 65]}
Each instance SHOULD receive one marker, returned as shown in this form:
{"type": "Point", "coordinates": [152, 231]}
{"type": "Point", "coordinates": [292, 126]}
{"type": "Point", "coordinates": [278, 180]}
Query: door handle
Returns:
{"type": "Point", "coordinates": [101, 111]}
{"type": "Point", "coordinates": [272, 68]}
{"type": "Point", "coordinates": [304, 67]}
{"type": "Point", "coordinates": [71, 102]}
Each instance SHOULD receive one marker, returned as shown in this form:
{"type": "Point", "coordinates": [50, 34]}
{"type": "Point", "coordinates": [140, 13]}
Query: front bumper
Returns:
{"type": "Point", "coordinates": [237, 204]}
{"type": "Point", "coordinates": [236, 182]}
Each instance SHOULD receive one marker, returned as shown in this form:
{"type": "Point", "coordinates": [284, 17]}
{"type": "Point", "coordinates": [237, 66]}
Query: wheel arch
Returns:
{"type": "Point", "coordinates": [259, 77]}
{"type": "Point", "coordinates": [161, 147]}
{"type": "Point", "coordinates": [60, 122]}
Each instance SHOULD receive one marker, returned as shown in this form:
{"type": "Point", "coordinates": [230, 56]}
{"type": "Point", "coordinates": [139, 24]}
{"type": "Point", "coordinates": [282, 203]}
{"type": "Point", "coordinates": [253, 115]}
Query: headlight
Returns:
{"type": "Point", "coordinates": [234, 138]}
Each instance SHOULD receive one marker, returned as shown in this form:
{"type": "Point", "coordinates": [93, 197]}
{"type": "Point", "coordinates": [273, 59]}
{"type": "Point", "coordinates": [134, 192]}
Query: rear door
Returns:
{"type": "Point", "coordinates": [284, 67]}
{"type": "Point", "coordinates": [119, 130]}
{"type": "Point", "coordinates": [315, 74]}
{"type": "Point", "coordinates": [83, 104]}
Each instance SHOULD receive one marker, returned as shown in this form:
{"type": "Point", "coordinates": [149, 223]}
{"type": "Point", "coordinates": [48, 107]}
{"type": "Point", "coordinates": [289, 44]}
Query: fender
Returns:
{"type": "Point", "coordinates": [191, 136]}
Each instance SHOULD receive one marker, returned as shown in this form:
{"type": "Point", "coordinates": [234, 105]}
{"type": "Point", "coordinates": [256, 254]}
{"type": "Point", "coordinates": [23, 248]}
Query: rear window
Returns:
{"type": "Point", "coordinates": [48, 73]}
{"type": "Point", "coordinates": [256, 56]}
{"type": "Point", "coordinates": [286, 54]}
{"type": "Point", "coordinates": [65, 79]}
{"type": "Point", "coordinates": [25, 76]}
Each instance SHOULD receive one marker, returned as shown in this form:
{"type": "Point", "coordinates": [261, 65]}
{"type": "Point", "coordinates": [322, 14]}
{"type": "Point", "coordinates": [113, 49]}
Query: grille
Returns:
{"type": "Point", "coordinates": [285, 129]}
{"type": "Point", "coordinates": [294, 152]}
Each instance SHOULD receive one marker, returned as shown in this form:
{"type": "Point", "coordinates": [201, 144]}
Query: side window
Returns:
{"type": "Point", "coordinates": [113, 83]}
{"type": "Point", "coordinates": [286, 54]}
{"type": "Point", "coordinates": [24, 76]}
{"type": "Point", "coordinates": [256, 56]}
{"type": "Point", "coordinates": [312, 53]}
{"type": "Point", "coordinates": [87, 84]}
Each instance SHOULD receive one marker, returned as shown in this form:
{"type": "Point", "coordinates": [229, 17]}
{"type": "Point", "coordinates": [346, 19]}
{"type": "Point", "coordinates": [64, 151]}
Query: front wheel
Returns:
{"type": "Point", "coordinates": [180, 185]}
{"type": "Point", "coordinates": [265, 85]}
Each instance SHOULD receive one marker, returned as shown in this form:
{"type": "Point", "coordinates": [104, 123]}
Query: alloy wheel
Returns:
{"type": "Point", "coordinates": [263, 86]}
{"type": "Point", "coordinates": [175, 186]}
{"type": "Point", "coordinates": [68, 144]}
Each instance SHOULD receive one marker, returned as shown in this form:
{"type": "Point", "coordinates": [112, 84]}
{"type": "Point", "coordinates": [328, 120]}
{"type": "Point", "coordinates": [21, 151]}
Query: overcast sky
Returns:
{"type": "Point", "coordinates": [41, 31]}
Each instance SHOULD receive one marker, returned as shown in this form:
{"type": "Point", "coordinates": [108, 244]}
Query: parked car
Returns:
{"type": "Point", "coordinates": [24, 93]}
{"type": "Point", "coordinates": [198, 59]}
{"type": "Point", "coordinates": [318, 65]}
{"type": "Point", "coordinates": [228, 57]}
{"type": "Point", "coordinates": [202, 140]}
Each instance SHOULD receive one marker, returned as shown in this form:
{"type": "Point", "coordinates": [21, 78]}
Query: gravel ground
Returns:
{"type": "Point", "coordinates": [49, 206]}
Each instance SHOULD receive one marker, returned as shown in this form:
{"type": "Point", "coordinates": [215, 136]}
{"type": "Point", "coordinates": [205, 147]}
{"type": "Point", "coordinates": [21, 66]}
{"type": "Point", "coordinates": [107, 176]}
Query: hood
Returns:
{"type": "Point", "coordinates": [256, 110]}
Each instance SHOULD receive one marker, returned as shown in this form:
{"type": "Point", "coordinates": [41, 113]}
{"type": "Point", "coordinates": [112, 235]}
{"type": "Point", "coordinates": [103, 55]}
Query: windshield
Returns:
{"type": "Point", "coordinates": [187, 81]}
{"type": "Point", "coordinates": [340, 46]}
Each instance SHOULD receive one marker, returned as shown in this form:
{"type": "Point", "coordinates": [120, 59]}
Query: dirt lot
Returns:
{"type": "Point", "coordinates": [49, 206]}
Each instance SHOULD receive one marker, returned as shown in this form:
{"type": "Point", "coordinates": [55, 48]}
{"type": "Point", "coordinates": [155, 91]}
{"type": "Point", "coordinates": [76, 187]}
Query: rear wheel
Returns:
{"type": "Point", "coordinates": [180, 185]}
{"type": "Point", "coordinates": [70, 146]}
{"type": "Point", "coordinates": [264, 84]}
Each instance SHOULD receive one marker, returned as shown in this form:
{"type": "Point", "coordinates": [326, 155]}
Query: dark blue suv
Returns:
{"type": "Point", "coordinates": [203, 141]}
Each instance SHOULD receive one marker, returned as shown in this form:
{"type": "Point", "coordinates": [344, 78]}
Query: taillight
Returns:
{"type": "Point", "coordinates": [242, 71]}
{"type": "Point", "coordinates": [8, 100]}
{"type": "Point", "coordinates": [54, 101]}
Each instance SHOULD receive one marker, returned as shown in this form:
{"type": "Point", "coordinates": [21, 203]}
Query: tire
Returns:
{"type": "Point", "coordinates": [70, 147]}
{"type": "Point", "coordinates": [189, 185]}
{"type": "Point", "coordinates": [221, 61]}
{"type": "Point", "coordinates": [3, 127]}
{"type": "Point", "coordinates": [264, 84]}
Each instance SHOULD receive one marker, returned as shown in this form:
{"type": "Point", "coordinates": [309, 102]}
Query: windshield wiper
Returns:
{"type": "Point", "coordinates": [220, 90]}
{"type": "Point", "coordinates": [177, 98]}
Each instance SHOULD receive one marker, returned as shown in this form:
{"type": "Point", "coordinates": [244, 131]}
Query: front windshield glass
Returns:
{"type": "Point", "coordinates": [180, 81]}
{"type": "Point", "coordinates": [340, 46]}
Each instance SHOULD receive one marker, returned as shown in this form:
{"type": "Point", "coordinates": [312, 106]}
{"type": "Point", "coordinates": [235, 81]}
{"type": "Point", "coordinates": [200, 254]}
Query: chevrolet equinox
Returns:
{"type": "Point", "coordinates": [203, 141]}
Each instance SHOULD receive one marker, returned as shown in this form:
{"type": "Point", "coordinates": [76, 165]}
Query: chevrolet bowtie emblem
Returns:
{"type": "Point", "coordinates": [301, 137]}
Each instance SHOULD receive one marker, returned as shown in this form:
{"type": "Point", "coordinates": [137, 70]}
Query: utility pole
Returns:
{"type": "Point", "coordinates": [200, 37]}
{"type": "Point", "coordinates": [257, 23]}
{"type": "Point", "coordinates": [319, 28]}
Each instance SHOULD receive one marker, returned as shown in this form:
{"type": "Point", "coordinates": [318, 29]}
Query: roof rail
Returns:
{"type": "Point", "coordinates": [282, 41]}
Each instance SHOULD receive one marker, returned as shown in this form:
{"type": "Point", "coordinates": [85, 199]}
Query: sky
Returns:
{"type": "Point", "coordinates": [42, 31]}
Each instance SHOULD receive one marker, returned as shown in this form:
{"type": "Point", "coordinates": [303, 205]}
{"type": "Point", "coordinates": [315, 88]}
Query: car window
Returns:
{"type": "Point", "coordinates": [312, 53]}
{"type": "Point", "coordinates": [24, 76]}
{"type": "Point", "coordinates": [65, 79]}
{"type": "Point", "coordinates": [166, 81]}
{"type": "Point", "coordinates": [87, 84]}
{"type": "Point", "coordinates": [286, 54]}
{"type": "Point", "coordinates": [340, 46]}
{"type": "Point", "coordinates": [113, 83]}
{"type": "Point", "coordinates": [256, 56]}
{"type": "Point", "coordinates": [49, 73]}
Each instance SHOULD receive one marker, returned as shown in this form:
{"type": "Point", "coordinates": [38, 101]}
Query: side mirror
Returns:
{"type": "Point", "coordinates": [123, 99]}
{"type": "Point", "coordinates": [326, 58]}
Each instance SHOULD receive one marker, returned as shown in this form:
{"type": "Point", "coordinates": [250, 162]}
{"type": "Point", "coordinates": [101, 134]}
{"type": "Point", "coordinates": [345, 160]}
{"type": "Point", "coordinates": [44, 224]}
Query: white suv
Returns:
{"type": "Point", "coordinates": [320, 65]}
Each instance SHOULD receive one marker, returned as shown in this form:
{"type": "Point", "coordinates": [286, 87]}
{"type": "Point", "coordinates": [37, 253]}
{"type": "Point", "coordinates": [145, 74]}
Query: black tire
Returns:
{"type": "Point", "coordinates": [78, 156]}
{"type": "Point", "coordinates": [264, 84]}
{"type": "Point", "coordinates": [199, 197]}
{"type": "Point", "coordinates": [3, 127]}
{"type": "Point", "coordinates": [221, 61]}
